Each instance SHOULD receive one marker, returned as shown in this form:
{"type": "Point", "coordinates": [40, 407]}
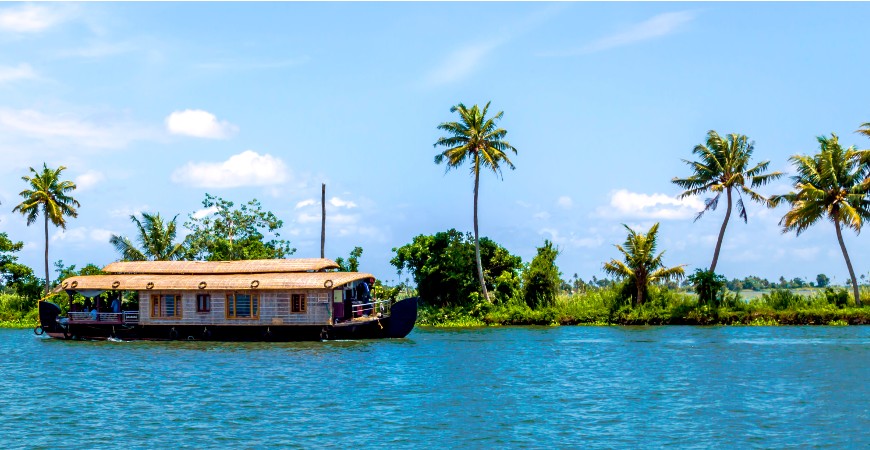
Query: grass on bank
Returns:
{"type": "Point", "coordinates": [665, 307]}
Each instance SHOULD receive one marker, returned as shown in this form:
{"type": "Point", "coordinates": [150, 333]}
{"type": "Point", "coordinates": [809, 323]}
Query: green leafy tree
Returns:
{"type": "Point", "coordinates": [542, 279]}
{"type": "Point", "coordinates": [478, 139]}
{"type": "Point", "coordinates": [442, 265]}
{"type": "Point", "coordinates": [48, 195]}
{"type": "Point", "coordinates": [642, 266]}
{"type": "Point", "coordinates": [828, 185]}
{"type": "Point", "coordinates": [14, 275]}
{"type": "Point", "coordinates": [822, 280]}
{"type": "Point", "coordinates": [352, 263]}
{"type": "Point", "coordinates": [229, 234]}
{"type": "Point", "coordinates": [155, 240]}
{"type": "Point", "coordinates": [708, 285]}
{"type": "Point", "coordinates": [865, 129]}
{"type": "Point", "coordinates": [724, 166]}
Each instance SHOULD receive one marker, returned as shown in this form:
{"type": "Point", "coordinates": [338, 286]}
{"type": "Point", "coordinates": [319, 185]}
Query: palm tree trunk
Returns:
{"type": "Point", "coordinates": [721, 232]}
{"type": "Point", "coordinates": [45, 213]}
{"type": "Point", "coordinates": [855, 289]}
{"type": "Point", "coordinates": [476, 238]}
{"type": "Point", "coordinates": [639, 286]}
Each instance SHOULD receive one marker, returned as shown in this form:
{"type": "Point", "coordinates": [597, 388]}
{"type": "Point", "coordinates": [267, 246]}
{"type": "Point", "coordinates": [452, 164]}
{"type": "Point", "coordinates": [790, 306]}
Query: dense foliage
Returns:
{"type": "Point", "coordinates": [708, 285]}
{"type": "Point", "coordinates": [542, 279]}
{"type": "Point", "coordinates": [443, 267]}
{"type": "Point", "coordinates": [225, 233]}
{"type": "Point", "coordinates": [14, 276]}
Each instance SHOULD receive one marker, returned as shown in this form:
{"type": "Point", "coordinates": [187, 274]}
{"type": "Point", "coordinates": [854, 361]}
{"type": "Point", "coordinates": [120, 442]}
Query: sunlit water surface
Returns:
{"type": "Point", "coordinates": [605, 387]}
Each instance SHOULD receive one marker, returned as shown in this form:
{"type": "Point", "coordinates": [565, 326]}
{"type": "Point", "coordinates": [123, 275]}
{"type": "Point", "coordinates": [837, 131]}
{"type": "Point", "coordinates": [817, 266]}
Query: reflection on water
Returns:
{"type": "Point", "coordinates": [599, 387]}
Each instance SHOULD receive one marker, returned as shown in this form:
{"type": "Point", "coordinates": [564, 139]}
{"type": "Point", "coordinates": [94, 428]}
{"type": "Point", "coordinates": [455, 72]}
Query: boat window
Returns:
{"type": "Point", "coordinates": [203, 302]}
{"type": "Point", "coordinates": [243, 305]}
{"type": "Point", "coordinates": [298, 303]}
{"type": "Point", "coordinates": [166, 306]}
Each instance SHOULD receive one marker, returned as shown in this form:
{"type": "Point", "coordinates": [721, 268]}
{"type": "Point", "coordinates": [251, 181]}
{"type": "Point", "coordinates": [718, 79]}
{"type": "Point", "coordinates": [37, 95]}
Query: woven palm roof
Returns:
{"type": "Point", "coordinates": [212, 282]}
{"type": "Point", "coordinates": [222, 267]}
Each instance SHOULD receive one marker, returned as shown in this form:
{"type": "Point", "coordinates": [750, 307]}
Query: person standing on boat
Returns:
{"type": "Point", "coordinates": [364, 295]}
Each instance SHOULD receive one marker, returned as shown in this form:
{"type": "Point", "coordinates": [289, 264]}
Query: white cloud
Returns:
{"type": "Point", "coordinates": [31, 18]}
{"type": "Point", "coordinates": [339, 203]}
{"type": "Point", "coordinates": [89, 179]}
{"type": "Point", "coordinates": [22, 71]}
{"type": "Point", "coordinates": [199, 214]}
{"type": "Point", "coordinates": [305, 203]}
{"type": "Point", "coordinates": [128, 211]}
{"type": "Point", "coordinates": [625, 204]}
{"type": "Point", "coordinates": [543, 215]}
{"type": "Point", "coordinates": [565, 202]}
{"type": "Point", "coordinates": [657, 26]}
{"type": "Point", "coordinates": [68, 129]}
{"type": "Point", "coordinates": [331, 219]}
{"type": "Point", "coordinates": [572, 240]}
{"type": "Point", "coordinates": [308, 218]}
{"type": "Point", "coordinates": [461, 63]}
{"type": "Point", "coordinates": [199, 123]}
{"type": "Point", "coordinates": [81, 234]}
{"type": "Point", "coordinates": [248, 168]}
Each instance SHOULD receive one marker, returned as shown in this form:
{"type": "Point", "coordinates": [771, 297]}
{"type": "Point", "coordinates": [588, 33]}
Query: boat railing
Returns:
{"type": "Point", "coordinates": [371, 308]}
{"type": "Point", "coordinates": [121, 317]}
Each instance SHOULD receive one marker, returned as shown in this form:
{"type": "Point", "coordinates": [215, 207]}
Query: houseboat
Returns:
{"type": "Point", "coordinates": [255, 300]}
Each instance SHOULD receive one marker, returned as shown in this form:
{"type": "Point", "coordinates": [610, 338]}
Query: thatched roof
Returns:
{"type": "Point", "coordinates": [220, 282]}
{"type": "Point", "coordinates": [222, 267]}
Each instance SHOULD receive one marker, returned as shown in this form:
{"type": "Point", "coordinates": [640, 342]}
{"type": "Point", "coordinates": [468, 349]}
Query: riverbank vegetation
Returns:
{"type": "Point", "coordinates": [608, 306]}
{"type": "Point", "coordinates": [536, 294]}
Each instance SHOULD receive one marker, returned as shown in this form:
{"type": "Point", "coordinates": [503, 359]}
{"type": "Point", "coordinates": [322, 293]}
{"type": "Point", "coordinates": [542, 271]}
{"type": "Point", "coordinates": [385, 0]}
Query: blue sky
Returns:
{"type": "Point", "coordinates": [151, 105]}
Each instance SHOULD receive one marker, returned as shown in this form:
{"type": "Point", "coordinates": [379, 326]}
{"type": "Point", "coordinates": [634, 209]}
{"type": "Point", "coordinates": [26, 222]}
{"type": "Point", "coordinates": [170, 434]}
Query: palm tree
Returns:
{"type": "Point", "coordinates": [828, 185]}
{"type": "Point", "coordinates": [154, 237]}
{"type": "Point", "coordinates": [865, 129]}
{"type": "Point", "coordinates": [641, 265]}
{"type": "Point", "coordinates": [477, 138]}
{"type": "Point", "coordinates": [49, 195]}
{"type": "Point", "coordinates": [724, 166]}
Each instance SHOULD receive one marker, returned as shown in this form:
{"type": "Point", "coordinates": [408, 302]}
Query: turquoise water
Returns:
{"type": "Point", "coordinates": [591, 387]}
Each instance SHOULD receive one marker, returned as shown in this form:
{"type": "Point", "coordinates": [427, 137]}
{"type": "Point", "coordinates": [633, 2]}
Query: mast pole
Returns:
{"type": "Point", "coordinates": [322, 219]}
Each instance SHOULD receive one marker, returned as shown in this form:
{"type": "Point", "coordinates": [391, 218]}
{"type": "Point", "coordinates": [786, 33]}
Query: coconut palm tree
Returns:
{"type": "Point", "coordinates": [155, 239]}
{"type": "Point", "coordinates": [477, 138]}
{"type": "Point", "coordinates": [642, 266]}
{"type": "Point", "coordinates": [865, 129]}
{"type": "Point", "coordinates": [829, 184]}
{"type": "Point", "coordinates": [723, 166]}
{"type": "Point", "coordinates": [48, 195]}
